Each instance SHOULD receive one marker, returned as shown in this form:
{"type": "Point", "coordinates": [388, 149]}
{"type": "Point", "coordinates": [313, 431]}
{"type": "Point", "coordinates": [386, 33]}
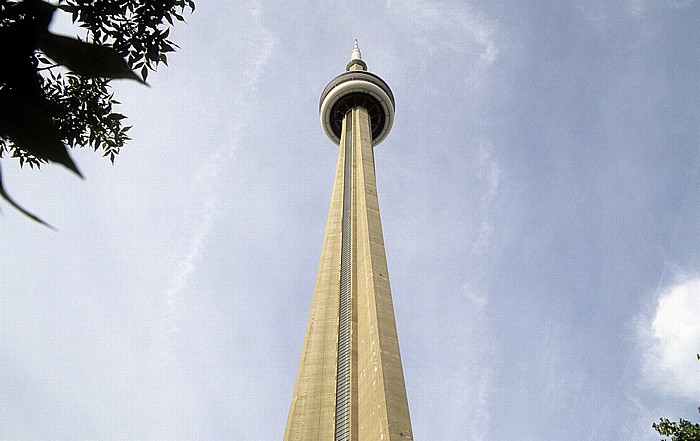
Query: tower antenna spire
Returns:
{"type": "Point", "coordinates": [356, 62]}
{"type": "Point", "coordinates": [356, 54]}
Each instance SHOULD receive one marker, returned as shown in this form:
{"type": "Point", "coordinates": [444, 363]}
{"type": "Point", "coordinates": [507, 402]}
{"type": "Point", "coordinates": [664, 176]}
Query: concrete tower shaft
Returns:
{"type": "Point", "coordinates": [350, 383]}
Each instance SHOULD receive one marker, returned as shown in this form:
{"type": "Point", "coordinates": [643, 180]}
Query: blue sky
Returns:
{"type": "Point", "coordinates": [540, 204]}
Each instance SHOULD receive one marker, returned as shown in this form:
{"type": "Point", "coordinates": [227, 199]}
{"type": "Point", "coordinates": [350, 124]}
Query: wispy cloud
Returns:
{"type": "Point", "coordinates": [476, 378]}
{"type": "Point", "coordinates": [208, 175]}
{"type": "Point", "coordinates": [489, 173]}
{"type": "Point", "coordinates": [458, 24]}
{"type": "Point", "coordinates": [465, 36]}
{"type": "Point", "coordinates": [253, 55]}
{"type": "Point", "coordinates": [264, 40]}
{"type": "Point", "coordinates": [481, 421]}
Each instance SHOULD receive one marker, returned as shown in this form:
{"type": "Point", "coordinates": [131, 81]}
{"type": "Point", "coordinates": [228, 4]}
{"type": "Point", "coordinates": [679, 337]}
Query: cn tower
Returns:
{"type": "Point", "coordinates": [350, 383]}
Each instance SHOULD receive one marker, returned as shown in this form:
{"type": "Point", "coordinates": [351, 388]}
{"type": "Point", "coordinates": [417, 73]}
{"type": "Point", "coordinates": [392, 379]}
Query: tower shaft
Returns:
{"type": "Point", "coordinates": [350, 383]}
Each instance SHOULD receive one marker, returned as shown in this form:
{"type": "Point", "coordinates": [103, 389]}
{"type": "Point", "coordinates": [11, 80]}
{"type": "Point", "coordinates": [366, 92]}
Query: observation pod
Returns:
{"type": "Point", "coordinates": [352, 88]}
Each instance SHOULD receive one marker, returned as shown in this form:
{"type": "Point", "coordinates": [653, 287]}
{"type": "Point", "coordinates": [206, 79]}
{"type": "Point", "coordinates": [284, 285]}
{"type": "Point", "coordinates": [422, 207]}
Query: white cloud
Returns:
{"type": "Point", "coordinates": [672, 339]}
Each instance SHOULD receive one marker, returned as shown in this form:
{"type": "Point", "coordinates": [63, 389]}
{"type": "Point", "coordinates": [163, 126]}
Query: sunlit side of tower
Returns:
{"type": "Point", "coordinates": [350, 383]}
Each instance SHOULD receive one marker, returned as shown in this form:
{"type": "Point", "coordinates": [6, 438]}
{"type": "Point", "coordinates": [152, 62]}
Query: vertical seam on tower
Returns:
{"type": "Point", "coordinates": [343, 378]}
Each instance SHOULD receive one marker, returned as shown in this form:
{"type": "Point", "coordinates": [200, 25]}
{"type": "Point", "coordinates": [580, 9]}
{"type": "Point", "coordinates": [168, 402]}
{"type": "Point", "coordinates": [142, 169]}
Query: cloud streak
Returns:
{"type": "Point", "coordinates": [489, 173]}
{"type": "Point", "coordinates": [467, 38]}
{"type": "Point", "coordinates": [254, 55]}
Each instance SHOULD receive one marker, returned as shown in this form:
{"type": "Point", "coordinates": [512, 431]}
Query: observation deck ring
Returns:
{"type": "Point", "coordinates": [357, 85]}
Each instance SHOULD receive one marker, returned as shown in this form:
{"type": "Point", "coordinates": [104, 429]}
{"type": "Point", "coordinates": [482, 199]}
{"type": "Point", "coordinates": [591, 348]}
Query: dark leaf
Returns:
{"type": "Point", "coordinates": [16, 54]}
{"type": "Point", "coordinates": [28, 126]}
{"type": "Point", "coordinates": [172, 44]}
{"type": "Point", "coordinates": [10, 201]}
{"type": "Point", "coordinates": [86, 59]}
{"type": "Point", "coordinates": [68, 8]}
{"type": "Point", "coordinates": [39, 13]}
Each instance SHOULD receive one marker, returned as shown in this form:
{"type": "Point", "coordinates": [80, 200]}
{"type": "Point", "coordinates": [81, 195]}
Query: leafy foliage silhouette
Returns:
{"type": "Point", "coordinates": [55, 91]}
{"type": "Point", "coordinates": [683, 430]}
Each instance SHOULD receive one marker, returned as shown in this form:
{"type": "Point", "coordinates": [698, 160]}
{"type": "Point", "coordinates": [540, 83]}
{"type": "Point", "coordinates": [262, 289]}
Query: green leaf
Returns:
{"type": "Point", "coordinates": [28, 126]}
{"type": "Point", "coordinates": [86, 59]}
